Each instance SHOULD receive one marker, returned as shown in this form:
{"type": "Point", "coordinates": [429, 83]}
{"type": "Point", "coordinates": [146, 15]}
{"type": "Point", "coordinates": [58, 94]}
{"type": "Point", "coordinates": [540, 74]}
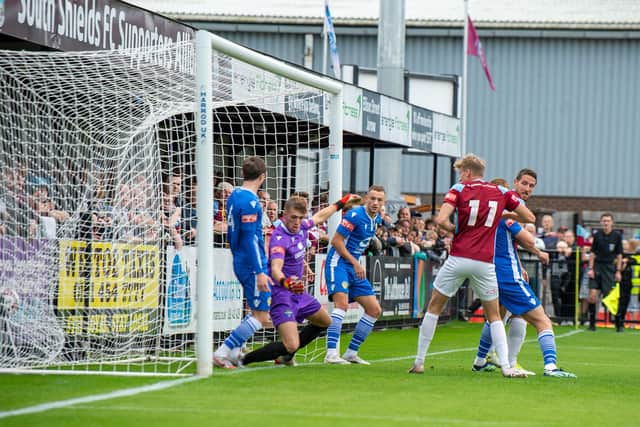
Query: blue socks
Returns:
{"type": "Point", "coordinates": [333, 333]}
{"type": "Point", "coordinates": [485, 341]}
{"type": "Point", "coordinates": [547, 342]}
{"type": "Point", "coordinates": [362, 331]}
{"type": "Point", "coordinates": [243, 332]}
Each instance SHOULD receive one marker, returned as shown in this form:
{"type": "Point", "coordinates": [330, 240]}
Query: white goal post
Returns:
{"type": "Point", "coordinates": [113, 170]}
{"type": "Point", "coordinates": [206, 43]}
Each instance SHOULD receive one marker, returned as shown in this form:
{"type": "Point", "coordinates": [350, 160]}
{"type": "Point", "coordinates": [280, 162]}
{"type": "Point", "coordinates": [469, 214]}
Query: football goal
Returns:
{"type": "Point", "coordinates": [114, 171]}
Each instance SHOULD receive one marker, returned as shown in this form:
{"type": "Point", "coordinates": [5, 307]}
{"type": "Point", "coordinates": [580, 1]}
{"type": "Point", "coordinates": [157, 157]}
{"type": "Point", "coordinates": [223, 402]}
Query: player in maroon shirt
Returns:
{"type": "Point", "coordinates": [479, 206]}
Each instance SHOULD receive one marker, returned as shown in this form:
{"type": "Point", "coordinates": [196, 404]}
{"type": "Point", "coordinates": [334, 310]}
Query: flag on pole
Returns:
{"type": "Point", "coordinates": [474, 48]}
{"type": "Point", "coordinates": [582, 236]}
{"type": "Point", "coordinates": [331, 35]}
{"type": "Point", "coordinates": [612, 300]}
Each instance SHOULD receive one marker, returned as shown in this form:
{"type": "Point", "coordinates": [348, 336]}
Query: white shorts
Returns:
{"type": "Point", "coordinates": [481, 275]}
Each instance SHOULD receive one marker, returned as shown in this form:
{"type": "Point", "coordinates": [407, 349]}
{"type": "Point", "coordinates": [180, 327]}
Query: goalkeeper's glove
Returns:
{"type": "Point", "coordinates": [293, 284]}
{"type": "Point", "coordinates": [348, 199]}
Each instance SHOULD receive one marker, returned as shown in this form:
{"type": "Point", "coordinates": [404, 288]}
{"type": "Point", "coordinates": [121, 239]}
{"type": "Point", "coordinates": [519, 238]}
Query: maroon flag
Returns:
{"type": "Point", "coordinates": [474, 48]}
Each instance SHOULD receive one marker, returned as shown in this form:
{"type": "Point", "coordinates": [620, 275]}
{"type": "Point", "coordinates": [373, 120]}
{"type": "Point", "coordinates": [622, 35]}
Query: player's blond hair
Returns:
{"type": "Point", "coordinates": [501, 182]}
{"type": "Point", "coordinates": [472, 163]}
{"type": "Point", "coordinates": [296, 203]}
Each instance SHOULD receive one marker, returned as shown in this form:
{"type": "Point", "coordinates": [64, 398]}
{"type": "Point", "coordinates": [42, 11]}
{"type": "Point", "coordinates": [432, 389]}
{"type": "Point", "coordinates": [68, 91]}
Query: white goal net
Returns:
{"type": "Point", "coordinates": [98, 214]}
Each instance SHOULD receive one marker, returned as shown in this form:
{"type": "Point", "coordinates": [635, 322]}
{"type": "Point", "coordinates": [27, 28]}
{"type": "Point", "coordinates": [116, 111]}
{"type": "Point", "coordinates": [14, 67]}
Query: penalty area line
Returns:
{"type": "Point", "coordinates": [97, 397]}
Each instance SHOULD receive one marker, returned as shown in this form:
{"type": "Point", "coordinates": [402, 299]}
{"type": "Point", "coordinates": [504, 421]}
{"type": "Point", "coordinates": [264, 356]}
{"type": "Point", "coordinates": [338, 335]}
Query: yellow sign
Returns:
{"type": "Point", "coordinates": [120, 276]}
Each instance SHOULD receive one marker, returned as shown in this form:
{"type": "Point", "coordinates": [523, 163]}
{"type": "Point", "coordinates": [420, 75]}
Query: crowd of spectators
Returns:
{"type": "Point", "coordinates": [560, 277]}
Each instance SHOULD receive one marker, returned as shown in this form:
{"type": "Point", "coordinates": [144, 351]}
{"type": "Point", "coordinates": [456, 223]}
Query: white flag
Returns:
{"type": "Point", "coordinates": [330, 33]}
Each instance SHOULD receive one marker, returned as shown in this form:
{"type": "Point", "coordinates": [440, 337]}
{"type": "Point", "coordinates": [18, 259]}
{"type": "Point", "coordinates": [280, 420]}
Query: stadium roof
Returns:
{"type": "Point", "coordinates": [560, 14]}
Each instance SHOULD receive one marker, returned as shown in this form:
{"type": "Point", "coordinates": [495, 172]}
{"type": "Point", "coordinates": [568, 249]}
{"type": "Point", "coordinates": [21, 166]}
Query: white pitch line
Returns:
{"type": "Point", "coordinates": [168, 384]}
{"type": "Point", "coordinates": [97, 397]}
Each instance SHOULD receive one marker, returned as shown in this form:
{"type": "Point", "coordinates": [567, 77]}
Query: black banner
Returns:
{"type": "Point", "coordinates": [392, 280]}
{"type": "Point", "coordinates": [370, 114]}
{"type": "Point", "coordinates": [421, 129]}
{"type": "Point", "coordinates": [71, 25]}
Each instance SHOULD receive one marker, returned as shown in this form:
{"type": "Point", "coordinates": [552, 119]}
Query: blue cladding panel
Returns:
{"type": "Point", "coordinates": [566, 107]}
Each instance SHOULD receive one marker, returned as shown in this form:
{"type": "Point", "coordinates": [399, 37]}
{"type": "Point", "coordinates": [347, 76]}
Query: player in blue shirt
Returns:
{"type": "Point", "coordinates": [346, 278]}
{"type": "Point", "coordinates": [515, 294]}
{"type": "Point", "coordinates": [290, 304]}
{"type": "Point", "coordinates": [244, 220]}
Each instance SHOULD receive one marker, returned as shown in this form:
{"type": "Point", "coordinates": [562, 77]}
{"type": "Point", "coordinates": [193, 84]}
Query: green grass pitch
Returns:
{"type": "Point", "coordinates": [606, 392]}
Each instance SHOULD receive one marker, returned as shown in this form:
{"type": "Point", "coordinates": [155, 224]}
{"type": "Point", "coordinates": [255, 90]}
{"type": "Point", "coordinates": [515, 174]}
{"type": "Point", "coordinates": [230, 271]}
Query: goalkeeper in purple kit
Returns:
{"type": "Point", "coordinates": [290, 304]}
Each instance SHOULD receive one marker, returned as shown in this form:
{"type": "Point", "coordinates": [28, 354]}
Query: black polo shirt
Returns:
{"type": "Point", "coordinates": [606, 246]}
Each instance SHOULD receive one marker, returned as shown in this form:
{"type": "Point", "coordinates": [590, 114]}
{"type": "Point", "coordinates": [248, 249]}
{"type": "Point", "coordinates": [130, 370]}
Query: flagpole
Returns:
{"type": "Point", "coordinates": [325, 44]}
{"type": "Point", "coordinates": [463, 118]}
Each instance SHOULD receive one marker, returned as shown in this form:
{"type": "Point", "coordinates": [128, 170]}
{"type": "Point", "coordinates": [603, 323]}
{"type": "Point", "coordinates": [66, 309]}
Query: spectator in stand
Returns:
{"type": "Point", "coordinates": [377, 245]}
{"type": "Point", "coordinates": [272, 212]}
{"type": "Point", "coordinates": [550, 239]}
{"type": "Point", "coordinates": [3, 216]}
{"type": "Point", "coordinates": [585, 240]}
{"type": "Point", "coordinates": [416, 241]}
{"type": "Point", "coordinates": [170, 217]}
{"type": "Point", "coordinates": [19, 218]}
{"type": "Point", "coordinates": [547, 234]}
{"type": "Point", "coordinates": [605, 264]}
{"type": "Point", "coordinates": [569, 295]}
{"type": "Point", "coordinates": [404, 214]}
{"type": "Point", "coordinates": [222, 193]}
{"type": "Point", "coordinates": [430, 225]}
{"type": "Point", "coordinates": [418, 223]}
{"type": "Point", "coordinates": [560, 232]}
{"type": "Point", "coordinates": [189, 215]}
{"type": "Point", "coordinates": [560, 281]}
{"type": "Point", "coordinates": [175, 184]}
{"type": "Point", "coordinates": [101, 210]}
{"type": "Point", "coordinates": [386, 218]}
{"type": "Point", "coordinates": [121, 213]}
{"type": "Point", "coordinates": [269, 225]}
{"type": "Point", "coordinates": [48, 217]}
{"type": "Point", "coordinates": [265, 198]}
{"type": "Point", "coordinates": [396, 244]}
{"type": "Point", "coordinates": [146, 226]}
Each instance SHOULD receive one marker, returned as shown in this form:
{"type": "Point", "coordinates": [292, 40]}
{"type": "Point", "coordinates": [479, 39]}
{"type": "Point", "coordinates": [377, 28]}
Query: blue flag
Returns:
{"type": "Point", "coordinates": [331, 34]}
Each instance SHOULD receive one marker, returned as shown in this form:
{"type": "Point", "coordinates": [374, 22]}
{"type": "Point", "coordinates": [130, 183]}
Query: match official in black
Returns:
{"type": "Point", "coordinates": [605, 264]}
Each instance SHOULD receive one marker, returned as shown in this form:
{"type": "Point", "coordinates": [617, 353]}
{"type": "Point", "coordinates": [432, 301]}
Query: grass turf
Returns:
{"type": "Point", "coordinates": [383, 394]}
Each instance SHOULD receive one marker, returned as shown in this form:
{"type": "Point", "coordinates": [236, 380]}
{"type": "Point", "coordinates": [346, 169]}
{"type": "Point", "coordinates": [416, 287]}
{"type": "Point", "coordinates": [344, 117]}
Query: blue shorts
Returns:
{"type": "Point", "coordinates": [256, 300]}
{"type": "Point", "coordinates": [342, 278]}
{"type": "Point", "coordinates": [517, 297]}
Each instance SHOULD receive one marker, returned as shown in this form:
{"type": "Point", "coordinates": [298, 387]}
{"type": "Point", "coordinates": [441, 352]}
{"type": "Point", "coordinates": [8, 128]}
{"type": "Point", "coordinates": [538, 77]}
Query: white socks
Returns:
{"type": "Point", "coordinates": [427, 329]}
{"type": "Point", "coordinates": [515, 338]}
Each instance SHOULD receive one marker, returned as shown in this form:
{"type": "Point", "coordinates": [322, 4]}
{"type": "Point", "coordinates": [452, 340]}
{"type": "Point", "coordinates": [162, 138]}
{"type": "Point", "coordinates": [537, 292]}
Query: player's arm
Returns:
{"type": "Point", "coordinates": [347, 201]}
{"type": "Point", "coordinates": [293, 283]}
{"type": "Point", "coordinates": [524, 214]}
{"type": "Point", "coordinates": [442, 219]}
{"type": "Point", "coordinates": [528, 241]}
{"type": "Point", "coordinates": [338, 243]}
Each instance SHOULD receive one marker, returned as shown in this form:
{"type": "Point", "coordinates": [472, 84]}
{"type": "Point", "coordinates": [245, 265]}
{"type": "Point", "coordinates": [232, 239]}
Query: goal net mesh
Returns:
{"type": "Point", "coordinates": [98, 217]}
